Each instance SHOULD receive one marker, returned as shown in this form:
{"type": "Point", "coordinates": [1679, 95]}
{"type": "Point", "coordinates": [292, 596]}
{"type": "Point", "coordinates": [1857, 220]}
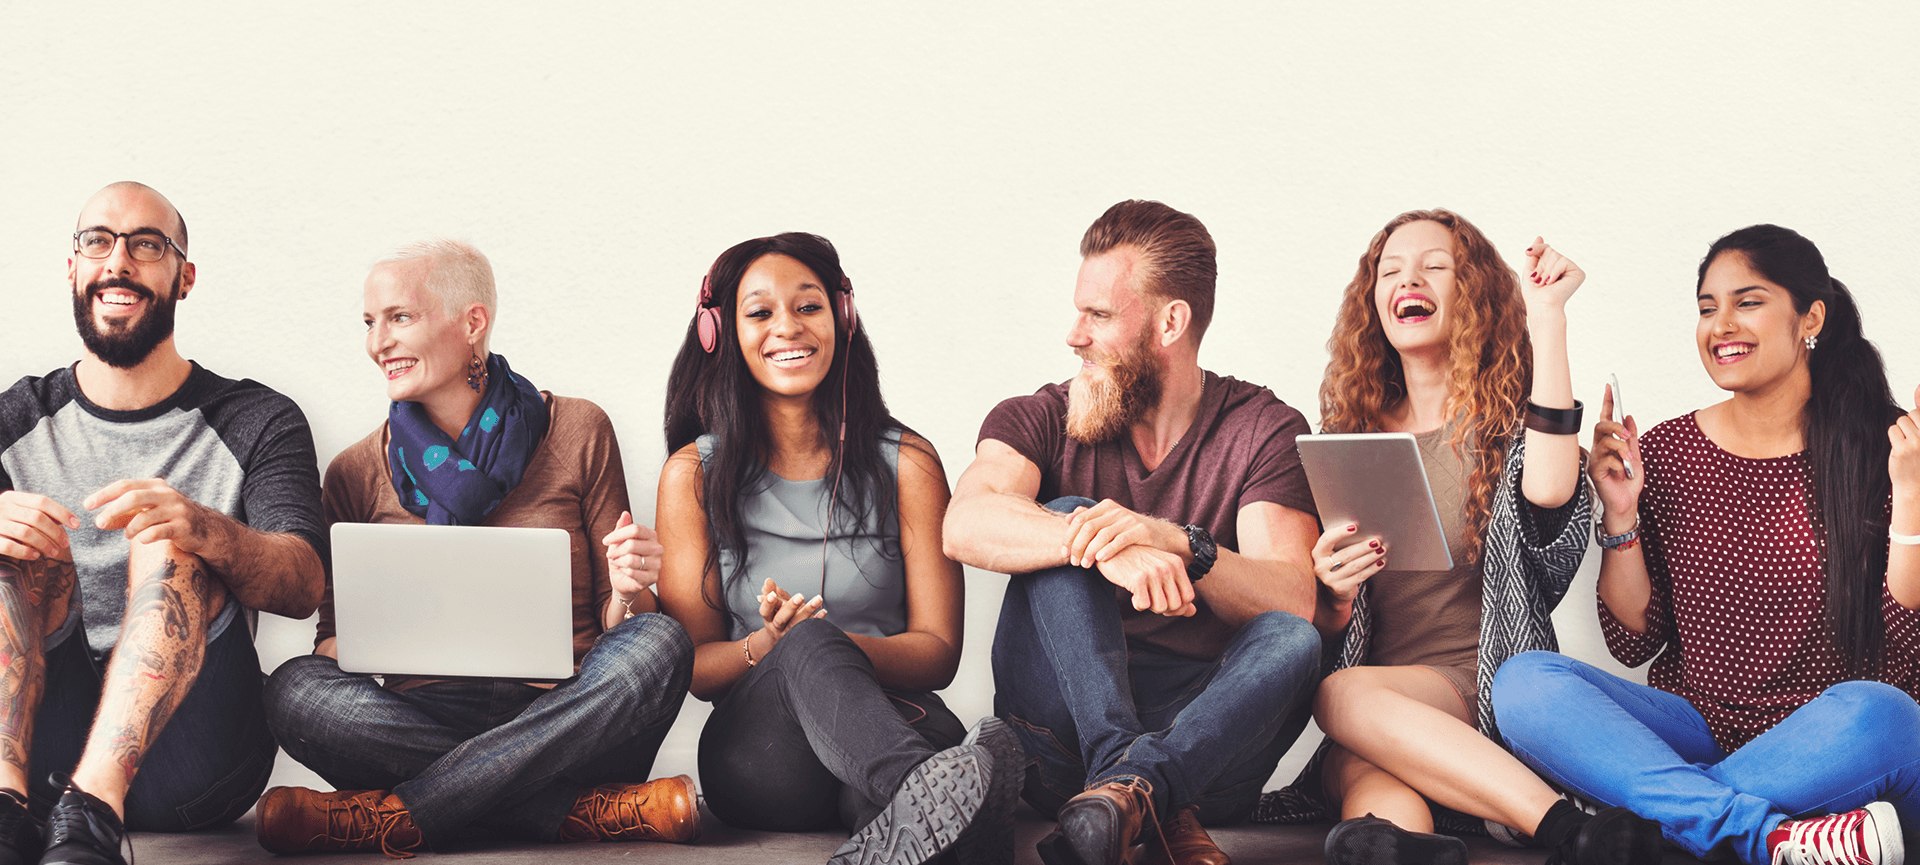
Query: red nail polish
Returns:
{"type": "Point", "coordinates": [1374, 544]}
{"type": "Point", "coordinates": [1353, 527]}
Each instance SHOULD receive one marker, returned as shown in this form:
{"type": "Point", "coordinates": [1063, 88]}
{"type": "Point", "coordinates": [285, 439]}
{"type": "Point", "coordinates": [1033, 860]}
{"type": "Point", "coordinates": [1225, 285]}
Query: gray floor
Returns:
{"type": "Point", "coordinates": [1248, 845]}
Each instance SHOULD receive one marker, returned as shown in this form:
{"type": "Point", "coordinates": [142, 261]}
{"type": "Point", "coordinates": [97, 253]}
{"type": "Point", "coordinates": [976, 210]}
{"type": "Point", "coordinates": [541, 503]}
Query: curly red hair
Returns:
{"type": "Point", "coordinates": [1492, 360]}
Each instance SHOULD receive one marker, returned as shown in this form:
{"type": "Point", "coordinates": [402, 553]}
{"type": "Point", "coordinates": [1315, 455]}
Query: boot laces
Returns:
{"type": "Point", "coordinates": [353, 822]}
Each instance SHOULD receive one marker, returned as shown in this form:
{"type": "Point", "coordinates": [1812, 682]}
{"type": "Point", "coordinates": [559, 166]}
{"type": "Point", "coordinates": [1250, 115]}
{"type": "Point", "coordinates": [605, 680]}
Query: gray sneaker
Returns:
{"type": "Point", "coordinates": [939, 799]}
{"type": "Point", "coordinates": [989, 839]}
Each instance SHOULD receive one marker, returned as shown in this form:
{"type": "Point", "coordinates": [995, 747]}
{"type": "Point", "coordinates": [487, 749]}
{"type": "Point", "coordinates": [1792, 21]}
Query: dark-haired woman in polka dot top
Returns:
{"type": "Point", "coordinates": [1761, 552]}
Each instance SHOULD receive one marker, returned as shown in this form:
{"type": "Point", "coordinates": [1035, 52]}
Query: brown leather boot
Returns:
{"type": "Point", "coordinates": [297, 820]}
{"type": "Point", "coordinates": [1097, 826]}
{"type": "Point", "coordinates": [1186, 843]}
{"type": "Point", "coordinates": [661, 810]}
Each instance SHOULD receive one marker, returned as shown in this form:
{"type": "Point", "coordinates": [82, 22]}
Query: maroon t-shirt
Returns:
{"type": "Point", "coordinates": [1239, 451]}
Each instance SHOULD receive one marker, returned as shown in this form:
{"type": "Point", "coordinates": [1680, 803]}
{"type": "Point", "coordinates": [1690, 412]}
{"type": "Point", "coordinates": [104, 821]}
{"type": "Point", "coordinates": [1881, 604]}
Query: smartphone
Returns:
{"type": "Point", "coordinates": [1619, 416]}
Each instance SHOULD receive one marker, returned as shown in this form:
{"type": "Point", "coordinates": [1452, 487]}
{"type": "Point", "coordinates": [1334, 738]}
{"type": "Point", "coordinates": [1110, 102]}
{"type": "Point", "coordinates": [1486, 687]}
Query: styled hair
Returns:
{"type": "Point", "coordinates": [1845, 430]}
{"type": "Point", "coordinates": [1176, 254]}
{"type": "Point", "coordinates": [1492, 360]}
{"type": "Point", "coordinates": [717, 393]}
{"type": "Point", "coordinates": [461, 273]}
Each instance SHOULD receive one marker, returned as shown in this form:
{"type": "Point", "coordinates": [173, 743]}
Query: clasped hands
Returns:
{"type": "Point", "coordinates": [33, 526]}
{"type": "Point", "coordinates": [1132, 551]}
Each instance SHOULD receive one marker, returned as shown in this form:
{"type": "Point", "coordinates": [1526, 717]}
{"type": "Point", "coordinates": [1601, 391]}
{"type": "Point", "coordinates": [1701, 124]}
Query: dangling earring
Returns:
{"type": "Point", "coordinates": [1812, 340]}
{"type": "Point", "coordinates": [477, 373]}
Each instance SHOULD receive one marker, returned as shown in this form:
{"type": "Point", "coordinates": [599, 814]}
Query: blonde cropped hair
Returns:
{"type": "Point", "coordinates": [461, 274]}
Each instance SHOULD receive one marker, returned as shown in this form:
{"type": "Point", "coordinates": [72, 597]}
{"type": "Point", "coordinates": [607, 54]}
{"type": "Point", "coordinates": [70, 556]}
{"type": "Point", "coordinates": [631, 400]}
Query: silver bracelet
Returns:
{"type": "Point", "coordinates": [1903, 540]}
{"type": "Point", "coordinates": [1623, 541]}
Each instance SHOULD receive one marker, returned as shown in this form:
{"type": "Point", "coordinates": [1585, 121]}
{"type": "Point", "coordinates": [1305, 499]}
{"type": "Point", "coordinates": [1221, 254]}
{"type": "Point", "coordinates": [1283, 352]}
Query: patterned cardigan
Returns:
{"type": "Point", "coordinates": [1529, 558]}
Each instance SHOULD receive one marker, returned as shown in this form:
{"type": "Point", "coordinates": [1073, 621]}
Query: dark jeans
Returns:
{"type": "Point", "coordinates": [205, 768]}
{"type": "Point", "coordinates": [808, 738]}
{"type": "Point", "coordinates": [1090, 708]}
{"type": "Point", "coordinates": [509, 755]}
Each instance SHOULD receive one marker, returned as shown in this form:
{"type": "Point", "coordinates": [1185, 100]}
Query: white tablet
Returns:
{"type": "Point", "coordinates": [1378, 481]}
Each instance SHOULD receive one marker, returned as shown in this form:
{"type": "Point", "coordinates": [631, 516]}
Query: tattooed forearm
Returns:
{"type": "Point", "coordinates": [161, 646]}
{"type": "Point", "coordinates": [31, 594]}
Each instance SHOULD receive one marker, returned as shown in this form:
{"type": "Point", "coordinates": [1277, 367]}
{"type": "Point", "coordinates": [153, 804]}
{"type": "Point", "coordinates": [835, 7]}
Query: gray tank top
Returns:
{"type": "Point", "coordinates": [866, 576]}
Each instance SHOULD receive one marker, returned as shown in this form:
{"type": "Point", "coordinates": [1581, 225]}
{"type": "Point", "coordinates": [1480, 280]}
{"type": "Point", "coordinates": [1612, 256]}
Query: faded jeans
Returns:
{"type": "Point", "coordinates": [1616, 742]}
{"type": "Point", "coordinates": [489, 751]}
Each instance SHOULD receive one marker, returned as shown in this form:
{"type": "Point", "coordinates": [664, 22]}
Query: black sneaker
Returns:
{"type": "Point", "coordinates": [1613, 836]}
{"type": "Point", "coordinates": [1370, 840]}
{"type": "Point", "coordinates": [20, 840]}
{"type": "Point", "coordinates": [82, 830]}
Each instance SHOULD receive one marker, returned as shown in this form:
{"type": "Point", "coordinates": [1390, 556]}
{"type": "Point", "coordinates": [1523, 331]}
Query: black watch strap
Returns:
{"type": "Point", "coordinates": [1200, 541]}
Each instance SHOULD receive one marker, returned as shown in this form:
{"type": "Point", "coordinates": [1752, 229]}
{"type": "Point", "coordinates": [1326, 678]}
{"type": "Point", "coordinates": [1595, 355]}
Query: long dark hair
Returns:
{"type": "Point", "coordinates": [716, 393]}
{"type": "Point", "coordinates": [1845, 430]}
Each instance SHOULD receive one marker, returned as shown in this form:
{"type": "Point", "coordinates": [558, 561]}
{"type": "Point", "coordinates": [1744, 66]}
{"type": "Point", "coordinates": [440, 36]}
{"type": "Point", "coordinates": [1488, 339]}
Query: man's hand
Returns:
{"type": "Point", "coordinates": [1099, 533]}
{"type": "Point", "coordinates": [1157, 579]}
{"type": "Point", "coordinates": [150, 510]}
{"type": "Point", "coordinates": [34, 526]}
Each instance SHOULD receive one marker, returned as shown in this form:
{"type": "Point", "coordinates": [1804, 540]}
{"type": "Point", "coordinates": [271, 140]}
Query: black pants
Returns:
{"type": "Point", "coordinates": [809, 739]}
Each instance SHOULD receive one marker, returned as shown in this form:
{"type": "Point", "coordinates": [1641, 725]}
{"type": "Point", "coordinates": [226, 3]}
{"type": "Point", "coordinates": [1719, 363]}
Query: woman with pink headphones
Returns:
{"type": "Point", "coordinates": [802, 553]}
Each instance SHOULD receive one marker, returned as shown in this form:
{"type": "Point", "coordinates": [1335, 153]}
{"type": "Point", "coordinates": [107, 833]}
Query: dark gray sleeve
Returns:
{"type": "Point", "coordinates": [269, 435]}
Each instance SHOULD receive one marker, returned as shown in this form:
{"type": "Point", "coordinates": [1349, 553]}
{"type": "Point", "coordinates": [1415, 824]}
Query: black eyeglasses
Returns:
{"type": "Point", "coordinates": [143, 244]}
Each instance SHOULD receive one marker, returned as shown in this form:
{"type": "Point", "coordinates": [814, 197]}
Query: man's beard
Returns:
{"type": "Point", "coordinates": [125, 347]}
{"type": "Point", "coordinates": [1100, 409]}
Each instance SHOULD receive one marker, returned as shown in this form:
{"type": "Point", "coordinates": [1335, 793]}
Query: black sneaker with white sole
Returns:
{"type": "Point", "coordinates": [940, 798]}
{"type": "Point", "coordinates": [82, 830]}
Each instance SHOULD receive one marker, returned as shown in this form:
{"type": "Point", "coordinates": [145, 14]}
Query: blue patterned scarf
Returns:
{"type": "Point", "coordinates": [453, 483]}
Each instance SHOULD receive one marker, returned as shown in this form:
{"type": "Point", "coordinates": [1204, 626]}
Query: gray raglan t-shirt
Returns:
{"type": "Point", "coordinates": [238, 447]}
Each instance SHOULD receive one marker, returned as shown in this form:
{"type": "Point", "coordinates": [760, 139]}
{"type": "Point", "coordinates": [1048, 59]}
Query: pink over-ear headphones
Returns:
{"type": "Point", "coordinates": [706, 318]}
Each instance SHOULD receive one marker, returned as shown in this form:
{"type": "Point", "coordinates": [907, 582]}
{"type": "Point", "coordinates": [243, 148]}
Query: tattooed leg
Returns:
{"type": "Point", "coordinates": [33, 601]}
{"type": "Point", "coordinates": [170, 600]}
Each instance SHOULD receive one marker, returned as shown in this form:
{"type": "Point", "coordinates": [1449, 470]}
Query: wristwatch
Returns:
{"type": "Point", "coordinates": [1204, 553]}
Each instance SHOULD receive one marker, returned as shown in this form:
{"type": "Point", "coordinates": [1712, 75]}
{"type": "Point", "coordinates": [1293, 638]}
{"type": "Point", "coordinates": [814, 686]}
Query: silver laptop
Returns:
{"type": "Point", "coordinates": [446, 601]}
{"type": "Point", "coordinates": [1378, 481]}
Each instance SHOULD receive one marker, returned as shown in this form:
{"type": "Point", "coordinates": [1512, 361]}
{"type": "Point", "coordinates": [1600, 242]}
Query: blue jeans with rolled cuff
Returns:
{"type": "Point", "coordinates": [491, 752]}
{"type": "Point", "coordinates": [205, 767]}
{"type": "Point", "coordinates": [1090, 708]}
{"type": "Point", "coordinates": [1615, 742]}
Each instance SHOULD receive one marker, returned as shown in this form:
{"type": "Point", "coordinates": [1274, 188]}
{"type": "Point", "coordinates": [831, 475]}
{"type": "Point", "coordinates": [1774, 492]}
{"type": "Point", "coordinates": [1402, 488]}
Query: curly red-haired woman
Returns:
{"type": "Point", "coordinates": [1436, 336]}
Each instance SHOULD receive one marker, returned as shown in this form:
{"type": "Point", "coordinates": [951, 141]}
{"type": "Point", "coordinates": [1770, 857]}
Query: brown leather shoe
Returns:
{"type": "Point", "coordinates": [661, 810]}
{"type": "Point", "coordinates": [1097, 826]}
{"type": "Point", "coordinates": [1186, 843]}
{"type": "Point", "coordinates": [297, 820]}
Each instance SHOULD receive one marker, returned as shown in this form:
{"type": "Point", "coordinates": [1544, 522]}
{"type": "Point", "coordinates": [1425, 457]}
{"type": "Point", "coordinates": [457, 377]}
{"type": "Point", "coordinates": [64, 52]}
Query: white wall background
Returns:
{"type": "Point", "coordinates": [603, 154]}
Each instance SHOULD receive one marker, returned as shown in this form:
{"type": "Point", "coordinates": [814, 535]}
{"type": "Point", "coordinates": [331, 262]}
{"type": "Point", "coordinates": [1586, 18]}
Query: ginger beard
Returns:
{"type": "Point", "coordinates": [125, 345]}
{"type": "Point", "coordinates": [1100, 408]}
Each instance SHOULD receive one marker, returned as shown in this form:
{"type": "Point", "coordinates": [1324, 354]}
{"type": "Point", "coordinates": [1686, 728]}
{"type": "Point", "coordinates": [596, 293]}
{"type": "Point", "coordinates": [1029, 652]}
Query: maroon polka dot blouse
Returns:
{"type": "Point", "coordinates": [1739, 588]}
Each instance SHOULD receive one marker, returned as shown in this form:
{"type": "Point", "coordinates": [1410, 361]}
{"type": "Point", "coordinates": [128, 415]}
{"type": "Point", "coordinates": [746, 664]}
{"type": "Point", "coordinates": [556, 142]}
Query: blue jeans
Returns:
{"type": "Point", "coordinates": [207, 765]}
{"type": "Point", "coordinates": [504, 754]}
{"type": "Point", "coordinates": [1618, 743]}
{"type": "Point", "coordinates": [1090, 708]}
